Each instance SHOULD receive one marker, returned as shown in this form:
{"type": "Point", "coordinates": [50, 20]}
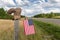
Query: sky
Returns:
{"type": "Point", "coordinates": [32, 7]}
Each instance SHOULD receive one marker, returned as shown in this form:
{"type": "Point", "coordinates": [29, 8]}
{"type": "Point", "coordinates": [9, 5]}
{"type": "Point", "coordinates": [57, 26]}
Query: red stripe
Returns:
{"type": "Point", "coordinates": [28, 29]}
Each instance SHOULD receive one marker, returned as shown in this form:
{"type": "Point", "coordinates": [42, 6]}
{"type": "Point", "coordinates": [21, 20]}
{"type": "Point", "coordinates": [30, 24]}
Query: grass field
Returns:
{"type": "Point", "coordinates": [50, 29]}
{"type": "Point", "coordinates": [44, 31]}
{"type": "Point", "coordinates": [57, 17]}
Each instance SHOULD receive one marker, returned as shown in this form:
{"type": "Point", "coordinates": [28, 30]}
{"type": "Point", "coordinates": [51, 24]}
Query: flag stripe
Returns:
{"type": "Point", "coordinates": [29, 29]}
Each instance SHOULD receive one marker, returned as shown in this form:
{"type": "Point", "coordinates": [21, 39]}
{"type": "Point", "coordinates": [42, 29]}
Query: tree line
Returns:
{"type": "Point", "coordinates": [47, 15]}
{"type": "Point", "coordinates": [5, 15]}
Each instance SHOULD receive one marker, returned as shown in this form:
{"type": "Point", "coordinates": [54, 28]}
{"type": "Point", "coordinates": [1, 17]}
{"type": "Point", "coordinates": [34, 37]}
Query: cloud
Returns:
{"type": "Point", "coordinates": [54, 1]}
{"type": "Point", "coordinates": [7, 2]}
{"type": "Point", "coordinates": [32, 7]}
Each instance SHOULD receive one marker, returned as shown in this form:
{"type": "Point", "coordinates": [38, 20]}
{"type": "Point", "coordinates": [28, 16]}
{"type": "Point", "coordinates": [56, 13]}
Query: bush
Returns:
{"type": "Point", "coordinates": [4, 15]}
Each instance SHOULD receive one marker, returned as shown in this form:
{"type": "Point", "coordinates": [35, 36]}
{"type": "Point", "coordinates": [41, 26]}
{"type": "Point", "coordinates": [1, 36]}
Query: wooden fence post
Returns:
{"type": "Point", "coordinates": [17, 16]}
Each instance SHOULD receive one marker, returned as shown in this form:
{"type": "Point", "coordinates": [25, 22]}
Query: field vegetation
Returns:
{"type": "Point", "coordinates": [44, 31]}
{"type": "Point", "coordinates": [48, 15]}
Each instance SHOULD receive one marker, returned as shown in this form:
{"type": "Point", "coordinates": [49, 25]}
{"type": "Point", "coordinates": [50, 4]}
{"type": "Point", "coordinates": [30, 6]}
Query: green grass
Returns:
{"type": "Point", "coordinates": [42, 29]}
{"type": "Point", "coordinates": [50, 29]}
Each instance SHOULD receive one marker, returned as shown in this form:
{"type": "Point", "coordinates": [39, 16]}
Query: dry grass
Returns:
{"type": "Point", "coordinates": [7, 31]}
{"type": "Point", "coordinates": [7, 28]}
{"type": "Point", "coordinates": [58, 17]}
{"type": "Point", "coordinates": [5, 24]}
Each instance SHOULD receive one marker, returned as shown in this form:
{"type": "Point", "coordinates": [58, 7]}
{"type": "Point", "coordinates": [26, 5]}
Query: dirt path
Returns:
{"type": "Point", "coordinates": [53, 21]}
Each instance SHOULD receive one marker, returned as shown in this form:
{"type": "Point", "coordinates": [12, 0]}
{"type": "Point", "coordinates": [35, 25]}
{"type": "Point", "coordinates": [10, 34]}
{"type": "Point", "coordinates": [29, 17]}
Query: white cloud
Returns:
{"type": "Point", "coordinates": [31, 8]}
{"type": "Point", "coordinates": [57, 0]}
{"type": "Point", "coordinates": [54, 10]}
{"type": "Point", "coordinates": [19, 2]}
{"type": "Point", "coordinates": [7, 2]}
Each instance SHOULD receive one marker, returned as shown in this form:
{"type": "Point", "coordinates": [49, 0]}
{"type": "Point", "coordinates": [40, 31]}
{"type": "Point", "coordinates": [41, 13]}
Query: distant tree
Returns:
{"type": "Point", "coordinates": [44, 15]}
{"type": "Point", "coordinates": [22, 16]}
{"type": "Point", "coordinates": [47, 15]}
{"type": "Point", "coordinates": [4, 15]}
{"type": "Point", "coordinates": [40, 15]}
{"type": "Point", "coordinates": [57, 14]}
{"type": "Point", "coordinates": [51, 15]}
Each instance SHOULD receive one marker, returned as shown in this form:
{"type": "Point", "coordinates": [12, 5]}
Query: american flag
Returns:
{"type": "Point", "coordinates": [28, 27]}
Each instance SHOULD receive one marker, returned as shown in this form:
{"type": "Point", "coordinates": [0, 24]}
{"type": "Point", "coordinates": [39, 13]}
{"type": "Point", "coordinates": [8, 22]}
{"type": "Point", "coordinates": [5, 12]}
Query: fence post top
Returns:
{"type": "Point", "coordinates": [16, 11]}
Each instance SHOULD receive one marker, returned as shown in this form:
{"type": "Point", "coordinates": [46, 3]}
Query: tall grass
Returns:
{"type": "Point", "coordinates": [41, 29]}
{"type": "Point", "coordinates": [50, 29]}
